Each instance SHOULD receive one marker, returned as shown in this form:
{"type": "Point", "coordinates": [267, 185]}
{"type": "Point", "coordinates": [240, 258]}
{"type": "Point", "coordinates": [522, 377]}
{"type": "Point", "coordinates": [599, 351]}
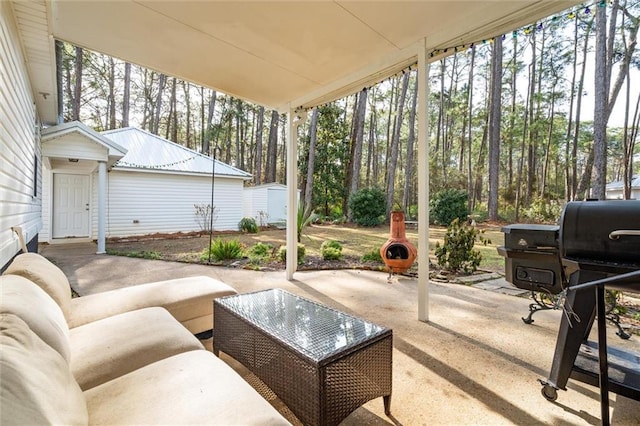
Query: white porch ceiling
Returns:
{"type": "Point", "coordinates": [273, 53]}
{"type": "Point", "coordinates": [279, 52]}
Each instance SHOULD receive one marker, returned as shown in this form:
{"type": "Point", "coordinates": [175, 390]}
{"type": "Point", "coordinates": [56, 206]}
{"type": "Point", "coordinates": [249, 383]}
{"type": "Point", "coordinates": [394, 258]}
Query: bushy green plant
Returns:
{"type": "Point", "coordinates": [282, 253]}
{"type": "Point", "coordinates": [368, 206]}
{"type": "Point", "coordinates": [249, 225]}
{"type": "Point", "coordinates": [542, 210]}
{"type": "Point", "coordinates": [223, 250]}
{"type": "Point", "coordinates": [447, 205]}
{"type": "Point", "coordinates": [372, 256]}
{"type": "Point", "coordinates": [331, 250]}
{"type": "Point", "coordinates": [259, 252]}
{"type": "Point", "coordinates": [457, 252]}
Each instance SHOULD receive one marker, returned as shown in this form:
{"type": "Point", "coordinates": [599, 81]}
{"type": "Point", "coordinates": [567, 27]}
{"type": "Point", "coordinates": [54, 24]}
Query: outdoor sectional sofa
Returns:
{"type": "Point", "coordinates": [117, 357]}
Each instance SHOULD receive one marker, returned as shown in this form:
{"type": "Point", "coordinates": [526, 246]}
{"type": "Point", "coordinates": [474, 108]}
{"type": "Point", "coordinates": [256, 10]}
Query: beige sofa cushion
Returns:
{"type": "Point", "coordinates": [37, 387]}
{"type": "Point", "coordinates": [111, 347]}
{"type": "Point", "coordinates": [48, 276]}
{"type": "Point", "coordinates": [42, 314]}
{"type": "Point", "coordinates": [189, 300]}
{"type": "Point", "coordinates": [190, 388]}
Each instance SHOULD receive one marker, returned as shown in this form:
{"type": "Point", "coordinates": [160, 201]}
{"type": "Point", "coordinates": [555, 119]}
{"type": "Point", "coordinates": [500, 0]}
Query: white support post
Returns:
{"type": "Point", "coordinates": [292, 194]}
{"type": "Point", "coordinates": [102, 206]}
{"type": "Point", "coordinates": [423, 183]}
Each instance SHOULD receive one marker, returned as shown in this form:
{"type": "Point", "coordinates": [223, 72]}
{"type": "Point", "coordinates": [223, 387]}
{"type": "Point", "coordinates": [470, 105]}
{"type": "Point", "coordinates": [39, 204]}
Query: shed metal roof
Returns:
{"type": "Point", "coordinates": [146, 151]}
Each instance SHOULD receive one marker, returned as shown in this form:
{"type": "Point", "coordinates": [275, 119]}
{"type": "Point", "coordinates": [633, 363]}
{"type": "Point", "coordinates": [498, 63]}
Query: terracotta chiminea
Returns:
{"type": "Point", "coordinates": [398, 253]}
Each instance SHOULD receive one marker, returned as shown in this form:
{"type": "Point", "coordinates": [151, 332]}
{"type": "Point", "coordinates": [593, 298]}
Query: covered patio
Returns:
{"type": "Point", "coordinates": [288, 56]}
{"type": "Point", "coordinates": [474, 362]}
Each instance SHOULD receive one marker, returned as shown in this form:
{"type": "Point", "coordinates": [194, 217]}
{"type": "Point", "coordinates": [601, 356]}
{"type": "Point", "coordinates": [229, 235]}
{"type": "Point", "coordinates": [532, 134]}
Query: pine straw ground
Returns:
{"type": "Point", "coordinates": [356, 241]}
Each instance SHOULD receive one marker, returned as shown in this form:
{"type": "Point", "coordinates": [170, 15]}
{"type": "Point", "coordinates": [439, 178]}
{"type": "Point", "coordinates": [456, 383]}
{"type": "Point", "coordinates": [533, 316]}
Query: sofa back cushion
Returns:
{"type": "Point", "coordinates": [37, 386]}
{"type": "Point", "coordinates": [41, 313]}
{"type": "Point", "coordinates": [48, 276]}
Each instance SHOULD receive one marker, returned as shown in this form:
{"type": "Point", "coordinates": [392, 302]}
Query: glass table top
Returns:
{"type": "Point", "coordinates": [317, 331]}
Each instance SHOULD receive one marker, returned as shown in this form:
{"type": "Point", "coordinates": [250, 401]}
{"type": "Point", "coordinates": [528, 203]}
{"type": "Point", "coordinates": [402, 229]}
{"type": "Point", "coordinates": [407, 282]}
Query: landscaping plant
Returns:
{"type": "Point", "coordinates": [282, 253]}
{"type": "Point", "coordinates": [331, 250]}
{"type": "Point", "coordinates": [223, 250]}
{"type": "Point", "coordinates": [457, 252]}
{"type": "Point", "coordinates": [368, 206]}
{"type": "Point", "coordinates": [447, 205]}
{"type": "Point", "coordinates": [249, 225]}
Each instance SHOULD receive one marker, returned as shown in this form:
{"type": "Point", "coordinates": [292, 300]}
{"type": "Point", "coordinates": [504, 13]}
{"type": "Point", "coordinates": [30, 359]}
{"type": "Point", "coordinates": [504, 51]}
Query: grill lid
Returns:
{"type": "Point", "coordinates": [606, 232]}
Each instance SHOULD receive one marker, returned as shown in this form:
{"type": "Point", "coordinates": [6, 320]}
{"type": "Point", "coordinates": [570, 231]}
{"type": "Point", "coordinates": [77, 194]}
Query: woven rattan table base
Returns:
{"type": "Point", "coordinates": [318, 392]}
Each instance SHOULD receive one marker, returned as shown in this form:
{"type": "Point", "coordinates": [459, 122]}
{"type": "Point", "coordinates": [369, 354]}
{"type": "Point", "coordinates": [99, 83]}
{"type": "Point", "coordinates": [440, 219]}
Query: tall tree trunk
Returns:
{"type": "Point", "coordinates": [272, 148]}
{"type": "Point", "coordinates": [547, 151]}
{"type": "Point", "coordinates": [311, 163]}
{"type": "Point", "coordinates": [126, 99]}
{"type": "Point", "coordinates": [395, 145]}
{"type": "Point", "coordinates": [158, 105]}
{"type": "Point", "coordinates": [357, 136]}
{"type": "Point", "coordinates": [112, 94]}
{"type": "Point", "coordinates": [410, 141]}
{"type": "Point", "coordinates": [209, 126]}
{"type": "Point", "coordinates": [600, 107]}
{"type": "Point", "coordinates": [470, 129]}
{"type": "Point", "coordinates": [576, 133]}
{"type": "Point", "coordinates": [531, 156]}
{"type": "Point", "coordinates": [567, 168]}
{"type": "Point", "coordinates": [494, 127]}
{"type": "Point", "coordinates": [77, 87]}
{"type": "Point", "coordinates": [187, 100]}
{"type": "Point", "coordinates": [258, 157]}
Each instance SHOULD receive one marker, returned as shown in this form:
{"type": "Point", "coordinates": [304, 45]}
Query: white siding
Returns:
{"type": "Point", "coordinates": [255, 200]}
{"type": "Point", "coordinates": [19, 143]}
{"type": "Point", "coordinates": [165, 203]}
{"type": "Point", "coordinates": [75, 145]}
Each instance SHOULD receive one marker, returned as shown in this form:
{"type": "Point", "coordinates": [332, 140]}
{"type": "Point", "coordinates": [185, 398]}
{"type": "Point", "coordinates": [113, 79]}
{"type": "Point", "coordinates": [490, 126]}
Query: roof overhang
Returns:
{"type": "Point", "coordinates": [114, 152]}
{"type": "Point", "coordinates": [283, 54]}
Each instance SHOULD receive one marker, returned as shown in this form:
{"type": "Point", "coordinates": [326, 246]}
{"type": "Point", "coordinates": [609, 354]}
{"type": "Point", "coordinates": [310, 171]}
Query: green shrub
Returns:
{"type": "Point", "coordinates": [368, 206]}
{"type": "Point", "coordinates": [223, 250]}
{"type": "Point", "coordinates": [331, 250]}
{"type": "Point", "coordinates": [457, 252]}
{"type": "Point", "coordinates": [282, 253]}
{"type": "Point", "coordinates": [447, 205]}
{"type": "Point", "coordinates": [259, 252]}
{"type": "Point", "coordinates": [372, 256]}
{"type": "Point", "coordinates": [541, 210]}
{"type": "Point", "coordinates": [249, 225]}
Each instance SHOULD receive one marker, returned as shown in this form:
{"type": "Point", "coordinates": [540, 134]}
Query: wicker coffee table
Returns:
{"type": "Point", "coordinates": [322, 363]}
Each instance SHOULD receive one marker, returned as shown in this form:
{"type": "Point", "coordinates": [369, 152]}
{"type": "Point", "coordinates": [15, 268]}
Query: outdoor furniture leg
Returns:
{"type": "Point", "coordinates": [387, 404]}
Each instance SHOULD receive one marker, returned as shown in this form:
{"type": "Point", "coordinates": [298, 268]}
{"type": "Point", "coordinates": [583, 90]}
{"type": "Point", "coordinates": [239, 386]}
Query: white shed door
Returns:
{"type": "Point", "coordinates": [277, 205]}
{"type": "Point", "coordinates": [70, 205]}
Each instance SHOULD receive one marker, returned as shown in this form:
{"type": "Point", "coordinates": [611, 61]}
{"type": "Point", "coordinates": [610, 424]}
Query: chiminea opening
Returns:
{"type": "Point", "coordinates": [397, 251]}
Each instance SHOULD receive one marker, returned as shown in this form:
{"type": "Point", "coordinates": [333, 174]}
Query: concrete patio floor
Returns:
{"type": "Point", "coordinates": [474, 362]}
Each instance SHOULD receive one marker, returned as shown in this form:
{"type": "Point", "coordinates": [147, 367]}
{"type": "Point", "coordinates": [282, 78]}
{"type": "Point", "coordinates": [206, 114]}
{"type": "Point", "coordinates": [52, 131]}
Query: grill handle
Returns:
{"type": "Point", "coordinates": [614, 235]}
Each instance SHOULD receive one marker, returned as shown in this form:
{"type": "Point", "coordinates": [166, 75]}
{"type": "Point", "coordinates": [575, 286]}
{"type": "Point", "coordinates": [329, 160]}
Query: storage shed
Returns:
{"type": "Point", "coordinates": [152, 188]}
{"type": "Point", "coordinates": [266, 203]}
{"type": "Point", "coordinates": [615, 190]}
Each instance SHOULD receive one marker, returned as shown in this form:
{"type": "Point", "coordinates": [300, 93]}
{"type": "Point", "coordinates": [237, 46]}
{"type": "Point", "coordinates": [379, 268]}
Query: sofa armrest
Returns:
{"type": "Point", "coordinates": [189, 300]}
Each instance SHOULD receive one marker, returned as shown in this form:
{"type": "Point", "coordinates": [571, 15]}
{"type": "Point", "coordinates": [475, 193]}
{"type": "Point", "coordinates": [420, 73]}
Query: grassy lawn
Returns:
{"type": "Point", "coordinates": [356, 242]}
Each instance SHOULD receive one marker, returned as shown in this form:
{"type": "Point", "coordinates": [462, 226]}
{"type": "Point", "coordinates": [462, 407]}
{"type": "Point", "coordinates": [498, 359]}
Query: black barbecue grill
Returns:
{"type": "Point", "coordinates": [596, 244]}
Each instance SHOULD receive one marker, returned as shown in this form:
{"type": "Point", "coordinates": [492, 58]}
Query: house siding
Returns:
{"type": "Point", "coordinates": [164, 203]}
{"type": "Point", "coordinates": [20, 156]}
{"type": "Point", "coordinates": [255, 201]}
{"type": "Point", "coordinates": [75, 146]}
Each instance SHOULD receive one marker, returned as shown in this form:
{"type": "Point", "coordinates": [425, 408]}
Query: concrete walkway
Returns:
{"type": "Point", "coordinates": [474, 362]}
